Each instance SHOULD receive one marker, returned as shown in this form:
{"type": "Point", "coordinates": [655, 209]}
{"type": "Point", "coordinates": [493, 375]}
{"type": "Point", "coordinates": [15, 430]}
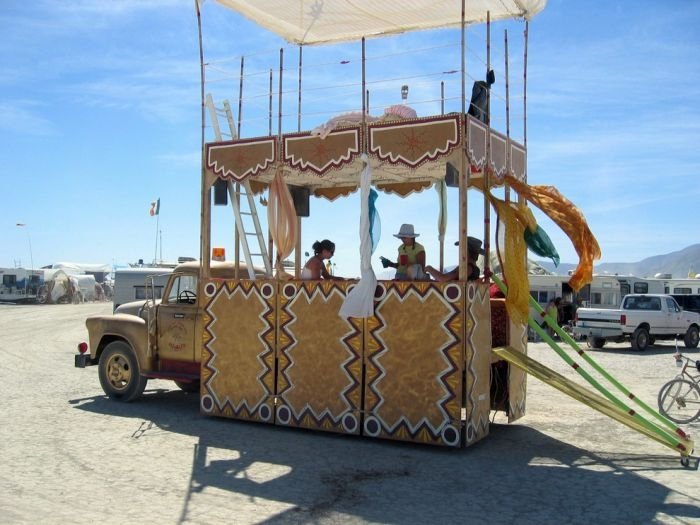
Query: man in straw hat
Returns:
{"type": "Point", "coordinates": [410, 264]}
{"type": "Point", "coordinates": [474, 249]}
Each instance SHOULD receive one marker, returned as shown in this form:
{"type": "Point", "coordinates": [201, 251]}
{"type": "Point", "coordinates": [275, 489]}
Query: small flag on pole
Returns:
{"type": "Point", "coordinates": [155, 207]}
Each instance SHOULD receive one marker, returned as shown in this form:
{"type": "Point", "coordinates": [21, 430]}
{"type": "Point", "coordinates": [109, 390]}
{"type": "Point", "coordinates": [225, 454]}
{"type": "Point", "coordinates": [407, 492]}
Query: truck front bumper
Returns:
{"type": "Point", "coordinates": [83, 360]}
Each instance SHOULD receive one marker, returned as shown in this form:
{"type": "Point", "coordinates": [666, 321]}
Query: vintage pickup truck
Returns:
{"type": "Point", "coordinates": [642, 319]}
{"type": "Point", "coordinates": [150, 339]}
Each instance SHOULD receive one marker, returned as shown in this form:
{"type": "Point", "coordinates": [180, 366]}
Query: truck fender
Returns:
{"type": "Point", "coordinates": [643, 325]}
{"type": "Point", "coordinates": [132, 330]}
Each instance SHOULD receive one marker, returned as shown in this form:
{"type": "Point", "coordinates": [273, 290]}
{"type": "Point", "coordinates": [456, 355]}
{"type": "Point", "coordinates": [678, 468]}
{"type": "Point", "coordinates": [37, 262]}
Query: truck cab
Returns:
{"type": "Point", "coordinates": [151, 338]}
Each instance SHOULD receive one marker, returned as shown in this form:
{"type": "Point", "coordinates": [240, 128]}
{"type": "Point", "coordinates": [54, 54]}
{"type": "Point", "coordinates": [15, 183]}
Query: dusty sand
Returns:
{"type": "Point", "coordinates": [69, 455]}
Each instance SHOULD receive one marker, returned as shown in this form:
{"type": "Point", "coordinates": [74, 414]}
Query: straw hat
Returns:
{"type": "Point", "coordinates": [406, 231]}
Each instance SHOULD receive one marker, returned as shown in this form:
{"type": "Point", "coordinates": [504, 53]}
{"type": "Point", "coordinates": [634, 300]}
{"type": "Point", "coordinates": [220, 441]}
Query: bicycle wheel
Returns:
{"type": "Point", "coordinates": [679, 400]}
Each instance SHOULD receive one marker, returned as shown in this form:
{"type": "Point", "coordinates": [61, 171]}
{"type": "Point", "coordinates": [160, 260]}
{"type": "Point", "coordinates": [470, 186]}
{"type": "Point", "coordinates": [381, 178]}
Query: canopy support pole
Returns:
{"type": "Point", "coordinates": [237, 192]}
{"type": "Point", "coordinates": [463, 167]}
{"type": "Point", "coordinates": [487, 167]}
{"type": "Point", "coordinates": [297, 248]}
{"type": "Point", "coordinates": [205, 205]}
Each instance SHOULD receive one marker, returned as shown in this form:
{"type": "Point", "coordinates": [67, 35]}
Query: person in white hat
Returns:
{"type": "Point", "coordinates": [410, 263]}
{"type": "Point", "coordinates": [474, 249]}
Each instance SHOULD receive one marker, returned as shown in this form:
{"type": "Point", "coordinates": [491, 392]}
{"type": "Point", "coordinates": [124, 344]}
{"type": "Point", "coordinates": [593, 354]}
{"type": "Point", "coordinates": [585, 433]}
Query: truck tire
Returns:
{"type": "Point", "coordinates": [119, 373]}
{"type": "Point", "coordinates": [597, 342]}
{"type": "Point", "coordinates": [640, 339]}
{"type": "Point", "coordinates": [691, 337]}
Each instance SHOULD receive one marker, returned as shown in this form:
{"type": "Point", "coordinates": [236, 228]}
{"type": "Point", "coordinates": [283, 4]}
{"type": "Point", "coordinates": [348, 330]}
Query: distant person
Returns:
{"type": "Point", "coordinates": [410, 263]}
{"type": "Point", "coordinates": [552, 311]}
{"type": "Point", "coordinates": [474, 249]}
{"type": "Point", "coordinates": [315, 267]}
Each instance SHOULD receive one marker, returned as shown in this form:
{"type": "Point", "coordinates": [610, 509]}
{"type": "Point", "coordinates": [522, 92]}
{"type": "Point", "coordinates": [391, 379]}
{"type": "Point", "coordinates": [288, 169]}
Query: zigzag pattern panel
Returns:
{"type": "Point", "coordinates": [238, 362]}
{"type": "Point", "coordinates": [517, 378]}
{"type": "Point", "coordinates": [319, 356]}
{"type": "Point", "coordinates": [240, 159]}
{"type": "Point", "coordinates": [477, 362]}
{"type": "Point", "coordinates": [413, 363]}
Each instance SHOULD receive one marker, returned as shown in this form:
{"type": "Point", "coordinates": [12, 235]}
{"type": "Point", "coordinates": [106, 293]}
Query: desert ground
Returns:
{"type": "Point", "coordinates": [70, 455]}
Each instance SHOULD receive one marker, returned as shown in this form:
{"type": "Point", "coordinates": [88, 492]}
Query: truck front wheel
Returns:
{"type": "Point", "coordinates": [119, 373]}
{"type": "Point", "coordinates": [691, 337]}
{"type": "Point", "coordinates": [640, 339]}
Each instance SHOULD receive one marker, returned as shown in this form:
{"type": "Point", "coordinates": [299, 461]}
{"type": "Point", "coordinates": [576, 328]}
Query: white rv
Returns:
{"type": "Point", "coordinates": [639, 285]}
{"type": "Point", "coordinates": [19, 285]}
{"type": "Point", "coordinates": [130, 284]}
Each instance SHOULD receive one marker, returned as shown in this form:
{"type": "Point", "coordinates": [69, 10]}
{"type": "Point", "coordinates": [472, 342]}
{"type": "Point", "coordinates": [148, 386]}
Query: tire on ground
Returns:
{"type": "Point", "coordinates": [691, 337]}
{"type": "Point", "coordinates": [640, 339]}
{"type": "Point", "coordinates": [597, 342]}
{"type": "Point", "coordinates": [119, 373]}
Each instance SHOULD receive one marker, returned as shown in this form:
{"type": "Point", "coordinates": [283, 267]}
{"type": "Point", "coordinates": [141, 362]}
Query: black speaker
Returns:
{"type": "Point", "coordinates": [301, 197]}
{"type": "Point", "coordinates": [451, 176]}
{"type": "Point", "coordinates": [220, 192]}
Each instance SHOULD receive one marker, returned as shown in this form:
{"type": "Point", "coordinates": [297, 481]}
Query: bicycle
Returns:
{"type": "Point", "coordinates": [679, 399]}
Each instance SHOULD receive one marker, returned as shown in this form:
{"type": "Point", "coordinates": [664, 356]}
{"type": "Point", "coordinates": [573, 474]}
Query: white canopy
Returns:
{"type": "Point", "coordinates": [71, 267]}
{"type": "Point", "coordinates": [318, 21]}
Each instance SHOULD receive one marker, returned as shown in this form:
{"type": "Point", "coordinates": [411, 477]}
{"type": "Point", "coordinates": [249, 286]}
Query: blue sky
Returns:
{"type": "Point", "coordinates": [100, 115]}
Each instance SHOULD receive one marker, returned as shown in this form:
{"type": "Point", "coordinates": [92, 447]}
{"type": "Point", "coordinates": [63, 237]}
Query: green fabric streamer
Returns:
{"type": "Point", "coordinates": [540, 243]}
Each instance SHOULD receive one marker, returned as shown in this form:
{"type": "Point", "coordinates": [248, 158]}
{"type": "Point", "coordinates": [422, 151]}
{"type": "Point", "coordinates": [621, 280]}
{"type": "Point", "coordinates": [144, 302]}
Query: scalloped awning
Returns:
{"type": "Point", "coordinates": [406, 156]}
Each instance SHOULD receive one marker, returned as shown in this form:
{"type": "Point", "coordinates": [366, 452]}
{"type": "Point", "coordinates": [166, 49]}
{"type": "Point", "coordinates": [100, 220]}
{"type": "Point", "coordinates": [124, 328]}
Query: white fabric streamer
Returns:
{"type": "Point", "coordinates": [360, 301]}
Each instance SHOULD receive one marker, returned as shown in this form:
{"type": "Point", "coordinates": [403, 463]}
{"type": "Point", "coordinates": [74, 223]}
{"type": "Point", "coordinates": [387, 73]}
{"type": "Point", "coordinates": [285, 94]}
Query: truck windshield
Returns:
{"type": "Point", "coordinates": [182, 283]}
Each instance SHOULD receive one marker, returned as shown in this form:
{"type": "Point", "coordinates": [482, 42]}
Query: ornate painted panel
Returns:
{"type": "Point", "coordinates": [243, 158]}
{"type": "Point", "coordinates": [517, 378]}
{"type": "Point", "coordinates": [415, 141]}
{"type": "Point", "coordinates": [518, 161]}
{"type": "Point", "coordinates": [319, 380]}
{"type": "Point", "coordinates": [312, 153]}
{"type": "Point", "coordinates": [414, 362]}
{"type": "Point", "coordinates": [238, 361]}
{"type": "Point", "coordinates": [477, 362]}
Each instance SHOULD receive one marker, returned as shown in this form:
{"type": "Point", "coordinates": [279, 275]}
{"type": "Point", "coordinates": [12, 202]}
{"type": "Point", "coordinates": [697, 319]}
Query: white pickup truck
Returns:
{"type": "Point", "coordinates": [642, 318]}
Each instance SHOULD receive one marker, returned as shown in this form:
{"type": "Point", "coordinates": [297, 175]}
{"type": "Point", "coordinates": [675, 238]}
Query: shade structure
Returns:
{"type": "Point", "coordinates": [324, 21]}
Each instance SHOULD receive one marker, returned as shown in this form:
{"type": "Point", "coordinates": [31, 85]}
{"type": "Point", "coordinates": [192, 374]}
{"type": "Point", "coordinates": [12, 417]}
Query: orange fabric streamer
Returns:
{"type": "Point", "coordinates": [572, 222]}
{"type": "Point", "coordinates": [281, 219]}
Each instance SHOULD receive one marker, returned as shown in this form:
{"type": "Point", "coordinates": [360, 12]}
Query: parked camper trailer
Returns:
{"type": "Point", "coordinates": [130, 284]}
{"type": "Point", "coordinates": [686, 286]}
{"type": "Point", "coordinates": [602, 292]}
{"type": "Point", "coordinates": [639, 285]}
{"type": "Point", "coordinates": [20, 284]}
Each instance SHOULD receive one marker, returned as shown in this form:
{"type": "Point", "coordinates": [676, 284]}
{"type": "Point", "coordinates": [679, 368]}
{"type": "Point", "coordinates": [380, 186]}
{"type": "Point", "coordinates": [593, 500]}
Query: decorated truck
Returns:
{"type": "Point", "coordinates": [421, 361]}
{"type": "Point", "coordinates": [641, 319]}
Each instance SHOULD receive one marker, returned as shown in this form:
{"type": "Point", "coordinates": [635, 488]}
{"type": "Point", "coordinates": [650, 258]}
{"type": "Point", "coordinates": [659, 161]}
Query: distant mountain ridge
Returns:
{"type": "Point", "coordinates": [678, 264]}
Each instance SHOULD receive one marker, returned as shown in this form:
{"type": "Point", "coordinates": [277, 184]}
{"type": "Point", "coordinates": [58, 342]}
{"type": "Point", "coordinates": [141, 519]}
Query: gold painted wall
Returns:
{"type": "Point", "coordinates": [418, 370]}
{"type": "Point", "coordinates": [414, 362]}
{"type": "Point", "coordinates": [319, 358]}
